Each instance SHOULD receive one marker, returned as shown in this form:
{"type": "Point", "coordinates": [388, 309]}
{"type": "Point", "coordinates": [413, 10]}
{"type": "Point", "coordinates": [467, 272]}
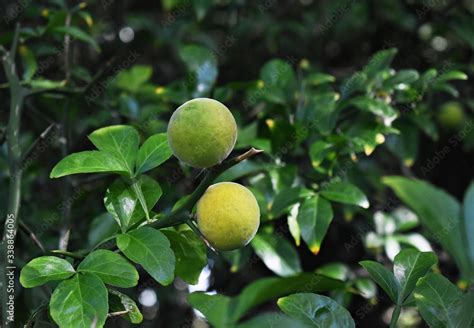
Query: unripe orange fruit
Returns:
{"type": "Point", "coordinates": [228, 215]}
{"type": "Point", "coordinates": [202, 132]}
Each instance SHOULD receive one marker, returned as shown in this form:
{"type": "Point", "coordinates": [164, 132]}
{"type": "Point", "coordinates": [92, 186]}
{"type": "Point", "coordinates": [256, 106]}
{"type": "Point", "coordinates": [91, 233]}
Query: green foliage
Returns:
{"type": "Point", "coordinates": [122, 200]}
{"type": "Point", "coordinates": [80, 301]}
{"type": "Point", "coordinates": [315, 310]}
{"type": "Point", "coordinates": [306, 85]}
{"type": "Point", "coordinates": [343, 192]}
{"type": "Point", "coordinates": [121, 302]}
{"type": "Point", "coordinates": [43, 269]}
{"type": "Point", "coordinates": [392, 232]}
{"type": "Point", "coordinates": [440, 213]}
{"type": "Point", "coordinates": [314, 217]}
{"type": "Point", "coordinates": [277, 253]}
{"type": "Point", "coordinates": [383, 277]}
{"type": "Point", "coordinates": [88, 162]}
{"type": "Point", "coordinates": [118, 141]}
{"type": "Point", "coordinates": [468, 222]}
{"type": "Point", "coordinates": [409, 266]}
{"type": "Point", "coordinates": [140, 246]}
{"type": "Point", "coordinates": [442, 304]}
{"type": "Point", "coordinates": [110, 267]}
{"type": "Point", "coordinates": [190, 253]}
{"type": "Point", "coordinates": [154, 151]}
{"type": "Point", "coordinates": [222, 311]}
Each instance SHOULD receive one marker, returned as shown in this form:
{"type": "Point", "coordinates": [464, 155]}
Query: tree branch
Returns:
{"type": "Point", "coordinates": [178, 215]}
{"type": "Point", "coordinates": [76, 90]}
{"type": "Point", "coordinates": [17, 94]}
{"type": "Point", "coordinates": [66, 253]}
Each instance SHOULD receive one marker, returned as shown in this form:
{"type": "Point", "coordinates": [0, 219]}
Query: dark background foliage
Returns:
{"type": "Point", "coordinates": [334, 37]}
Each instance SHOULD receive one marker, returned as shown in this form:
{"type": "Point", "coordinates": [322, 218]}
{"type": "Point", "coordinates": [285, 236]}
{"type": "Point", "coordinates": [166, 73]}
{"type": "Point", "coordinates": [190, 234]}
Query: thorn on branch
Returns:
{"type": "Point", "coordinates": [32, 235]}
{"type": "Point", "coordinates": [118, 313]}
{"type": "Point", "coordinates": [194, 228]}
{"type": "Point", "coordinates": [251, 152]}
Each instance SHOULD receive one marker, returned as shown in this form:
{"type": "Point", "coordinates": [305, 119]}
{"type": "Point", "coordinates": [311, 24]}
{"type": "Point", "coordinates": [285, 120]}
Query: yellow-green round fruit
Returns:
{"type": "Point", "coordinates": [228, 215]}
{"type": "Point", "coordinates": [202, 132]}
{"type": "Point", "coordinates": [451, 114]}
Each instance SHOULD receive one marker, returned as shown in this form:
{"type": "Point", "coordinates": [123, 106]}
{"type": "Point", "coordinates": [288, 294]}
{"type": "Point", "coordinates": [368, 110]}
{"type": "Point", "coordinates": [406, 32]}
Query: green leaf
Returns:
{"type": "Point", "coordinates": [43, 269]}
{"type": "Point", "coordinates": [426, 80]}
{"type": "Point", "coordinates": [320, 78]}
{"type": "Point", "coordinates": [190, 253]}
{"type": "Point", "coordinates": [78, 34]}
{"type": "Point", "coordinates": [383, 277]}
{"type": "Point", "coordinates": [438, 301]}
{"type": "Point", "coordinates": [318, 152]}
{"type": "Point", "coordinates": [293, 225]}
{"type": "Point", "coordinates": [201, 7]}
{"type": "Point", "coordinates": [202, 63]}
{"type": "Point", "coordinates": [154, 151]}
{"type": "Point", "coordinates": [380, 61]}
{"type": "Point", "coordinates": [87, 162]}
{"type": "Point", "coordinates": [151, 249]}
{"type": "Point", "coordinates": [438, 212]}
{"type": "Point", "coordinates": [336, 270]}
{"type": "Point", "coordinates": [324, 113]}
{"type": "Point", "coordinates": [120, 141]}
{"type": "Point", "coordinates": [468, 221]}
{"type": "Point", "coordinates": [279, 81]}
{"type": "Point", "coordinates": [366, 287]}
{"type": "Point", "coordinates": [29, 62]}
{"type": "Point", "coordinates": [102, 226]}
{"type": "Point", "coordinates": [277, 253]}
{"type": "Point", "coordinates": [133, 78]}
{"type": "Point", "coordinates": [314, 217]}
{"type": "Point", "coordinates": [216, 308]}
{"type": "Point", "coordinates": [80, 302]}
{"type": "Point", "coordinates": [121, 200]}
{"type": "Point", "coordinates": [409, 266]}
{"type": "Point", "coordinates": [111, 267]}
{"type": "Point", "coordinates": [405, 144]}
{"type": "Point", "coordinates": [223, 311]}
{"type": "Point", "coordinates": [354, 83]}
{"type": "Point", "coordinates": [286, 198]}
{"type": "Point", "coordinates": [377, 107]}
{"type": "Point", "coordinates": [316, 310]}
{"type": "Point", "coordinates": [344, 192]}
{"type": "Point", "coordinates": [404, 76]}
{"type": "Point", "coordinates": [267, 289]}
{"type": "Point", "coordinates": [272, 320]}
{"type": "Point", "coordinates": [446, 87]}
{"type": "Point", "coordinates": [466, 316]}
{"type": "Point", "coordinates": [452, 75]}
{"type": "Point", "coordinates": [121, 302]}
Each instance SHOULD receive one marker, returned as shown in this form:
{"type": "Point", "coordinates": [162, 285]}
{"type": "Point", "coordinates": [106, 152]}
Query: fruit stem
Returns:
{"type": "Point", "coordinates": [178, 215]}
{"type": "Point", "coordinates": [198, 232]}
